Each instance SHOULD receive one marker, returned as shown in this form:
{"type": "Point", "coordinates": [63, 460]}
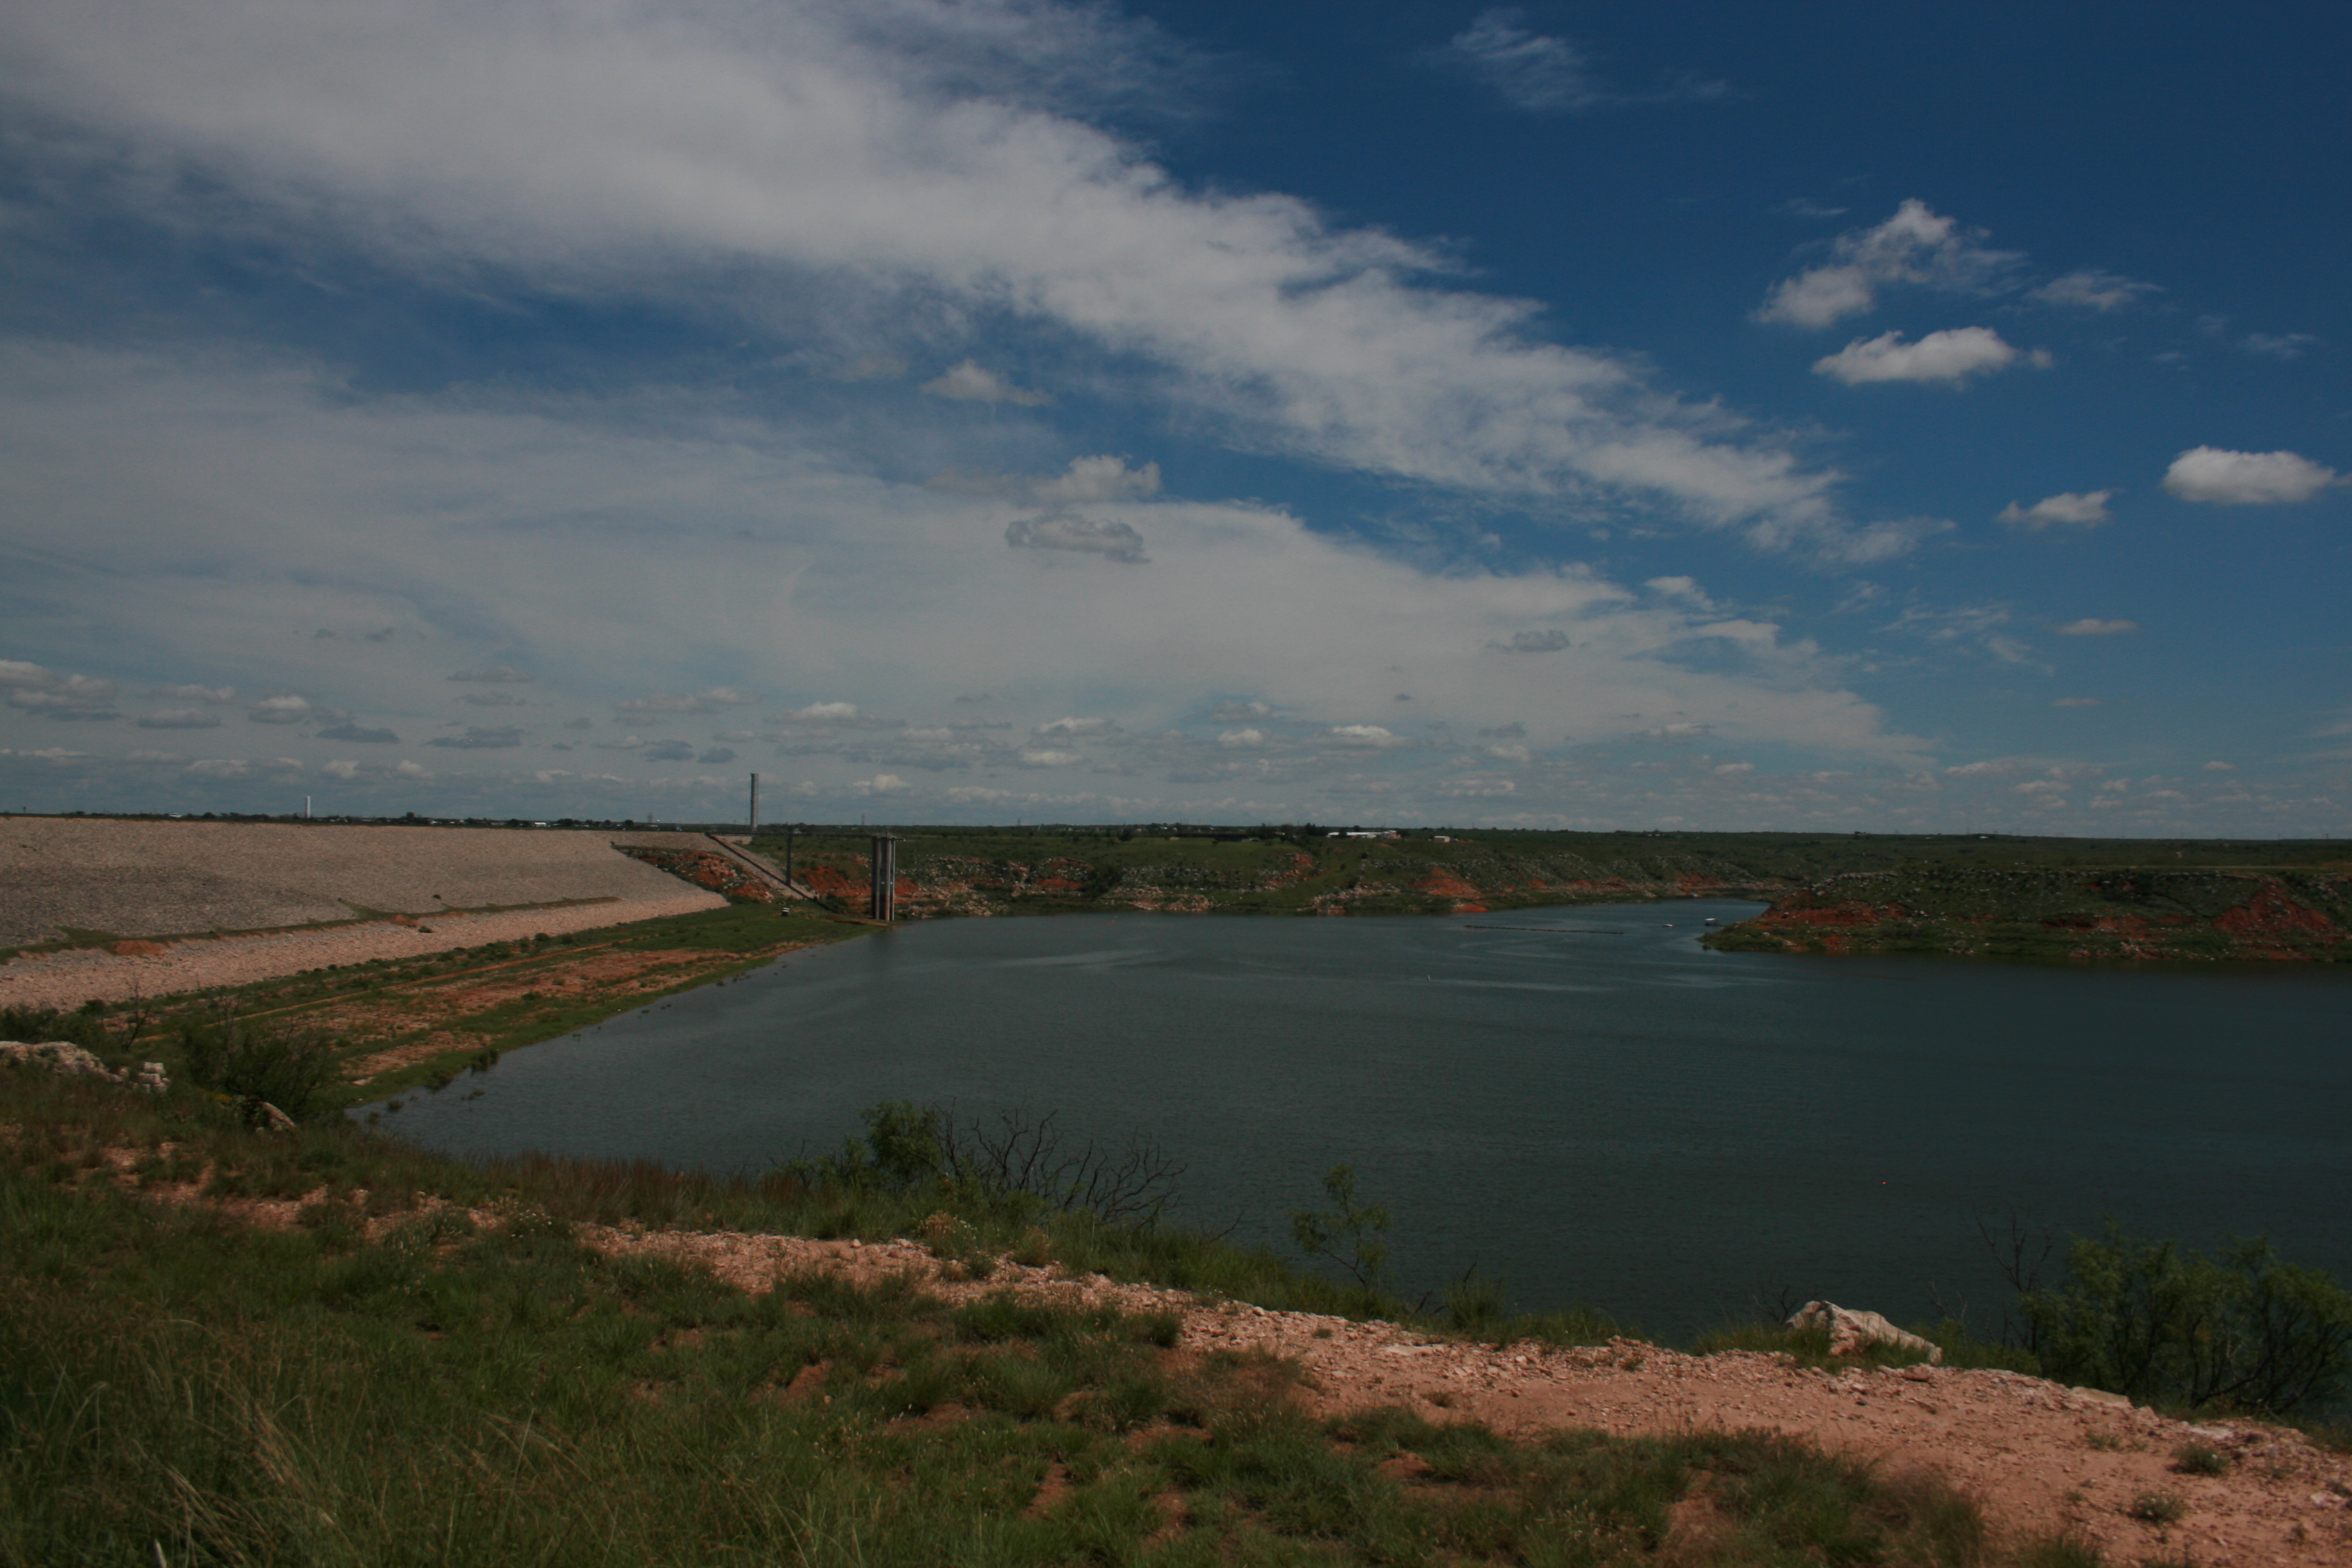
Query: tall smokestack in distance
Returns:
{"type": "Point", "coordinates": [752, 826]}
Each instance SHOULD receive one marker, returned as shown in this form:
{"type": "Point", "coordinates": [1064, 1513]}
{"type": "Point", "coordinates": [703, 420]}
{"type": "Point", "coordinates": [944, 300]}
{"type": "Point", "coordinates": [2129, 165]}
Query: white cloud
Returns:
{"type": "Point", "coordinates": [1681, 588]}
{"type": "Point", "coordinates": [1916, 247]}
{"type": "Point", "coordinates": [221, 768]}
{"type": "Point", "coordinates": [1536, 71]}
{"type": "Point", "coordinates": [698, 703]}
{"type": "Point", "coordinates": [2245, 478]}
{"type": "Point", "coordinates": [2087, 509]}
{"type": "Point", "coordinates": [2091, 627]}
{"type": "Point", "coordinates": [1241, 738]}
{"type": "Point", "coordinates": [1095, 480]}
{"type": "Point", "coordinates": [1244, 599]}
{"type": "Point", "coordinates": [881, 784]}
{"type": "Point", "coordinates": [340, 768]}
{"type": "Point", "coordinates": [1372, 735]}
{"type": "Point", "coordinates": [480, 738]}
{"type": "Point", "coordinates": [215, 694]}
{"type": "Point", "coordinates": [1047, 757]}
{"type": "Point", "coordinates": [494, 674]}
{"type": "Point", "coordinates": [1950, 356]}
{"type": "Point", "coordinates": [1478, 786]}
{"type": "Point", "coordinates": [2279, 345]}
{"type": "Point", "coordinates": [1729, 769]}
{"type": "Point", "coordinates": [2220, 767]}
{"type": "Point", "coordinates": [970, 383]}
{"type": "Point", "coordinates": [2094, 289]}
{"type": "Point", "coordinates": [1074, 726]}
{"type": "Point", "coordinates": [178, 719]}
{"type": "Point", "coordinates": [753, 161]}
{"type": "Point", "coordinates": [1112, 540]}
{"type": "Point", "coordinates": [32, 688]}
{"type": "Point", "coordinates": [284, 707]}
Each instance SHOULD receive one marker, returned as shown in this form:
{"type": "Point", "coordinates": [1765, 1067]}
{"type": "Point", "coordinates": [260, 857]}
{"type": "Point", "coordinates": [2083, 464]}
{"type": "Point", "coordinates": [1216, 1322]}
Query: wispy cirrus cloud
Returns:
{"type": "Point", "coordinates": [2093, 290]}
{"type": "Point", "coordinates": [830, 154]}
{"type": "Point", "coordinates": [1543, 72]}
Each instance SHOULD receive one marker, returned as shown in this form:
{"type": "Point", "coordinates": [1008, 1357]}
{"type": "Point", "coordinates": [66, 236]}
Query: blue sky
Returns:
{"type": "Point", "coordinates": [1819, 416]}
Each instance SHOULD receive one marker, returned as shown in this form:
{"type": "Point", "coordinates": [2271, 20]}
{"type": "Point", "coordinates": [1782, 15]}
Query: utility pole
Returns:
{"type": "Point", "coordinates": [885, 877]}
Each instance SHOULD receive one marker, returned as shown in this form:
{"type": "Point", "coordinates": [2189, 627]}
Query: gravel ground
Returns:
{"type": "Point", "coordinates": [161, 879]}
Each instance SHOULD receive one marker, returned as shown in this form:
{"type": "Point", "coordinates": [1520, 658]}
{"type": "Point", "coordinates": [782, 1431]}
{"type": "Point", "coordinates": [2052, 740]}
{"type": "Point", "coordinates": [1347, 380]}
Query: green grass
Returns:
{"type": "Point", "coordinates": [179, 1388]}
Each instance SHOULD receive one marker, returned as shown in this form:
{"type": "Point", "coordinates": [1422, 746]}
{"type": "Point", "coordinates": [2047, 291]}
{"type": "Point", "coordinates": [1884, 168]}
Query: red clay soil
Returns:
{"type": "Point", "coordinates": [2270, 914]}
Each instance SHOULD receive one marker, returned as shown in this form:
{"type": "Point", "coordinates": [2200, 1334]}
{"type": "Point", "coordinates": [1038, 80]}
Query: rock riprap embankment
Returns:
{"type": "Point", "coordinates": [145, 906]}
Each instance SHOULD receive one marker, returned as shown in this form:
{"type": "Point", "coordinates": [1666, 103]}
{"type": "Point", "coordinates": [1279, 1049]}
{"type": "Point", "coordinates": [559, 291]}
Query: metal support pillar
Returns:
{"type": "Point", "coordinates": [752, 827]}
{"type": "Point", "coordinates": [885, 875]}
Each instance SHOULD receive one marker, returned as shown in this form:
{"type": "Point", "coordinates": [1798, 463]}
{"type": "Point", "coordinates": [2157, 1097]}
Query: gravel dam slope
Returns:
{"type": "Point", "coordinates": [107, 908]}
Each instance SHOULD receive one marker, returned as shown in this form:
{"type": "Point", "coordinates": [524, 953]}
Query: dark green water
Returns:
{"type": "Point", "coordinates": [1589, 1102]}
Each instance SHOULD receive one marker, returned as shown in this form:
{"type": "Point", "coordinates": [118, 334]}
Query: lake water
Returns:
{"type": "Point", "coordinates": [1581, 1098]}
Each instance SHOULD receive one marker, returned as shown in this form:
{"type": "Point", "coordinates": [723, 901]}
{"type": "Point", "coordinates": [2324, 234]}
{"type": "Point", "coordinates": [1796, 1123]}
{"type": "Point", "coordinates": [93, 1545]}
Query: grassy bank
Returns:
{"type": "Point", "coordinates": [395, 1381]}
{"type": "Point", "coordinates": [392, 1025]}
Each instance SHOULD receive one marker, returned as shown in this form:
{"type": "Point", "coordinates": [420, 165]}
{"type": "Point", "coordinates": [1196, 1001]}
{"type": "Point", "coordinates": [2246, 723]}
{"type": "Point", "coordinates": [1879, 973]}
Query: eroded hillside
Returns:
{"type": "Point", "coordinates": [2136, 914]}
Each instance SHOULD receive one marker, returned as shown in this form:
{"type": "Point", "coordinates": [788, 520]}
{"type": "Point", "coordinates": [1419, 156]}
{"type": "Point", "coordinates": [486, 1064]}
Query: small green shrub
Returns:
{"type": "Point", "coordinates": [1352, 1234]}
{"type": "Point", "coordinates": [2157, 1509]}
{"type": "Point", "coordinates": [235, 1058]}
{"type": "Point", "coordinates": [2067, 1550]}
{"type": "Point", "coordinates": [2201, 1459]}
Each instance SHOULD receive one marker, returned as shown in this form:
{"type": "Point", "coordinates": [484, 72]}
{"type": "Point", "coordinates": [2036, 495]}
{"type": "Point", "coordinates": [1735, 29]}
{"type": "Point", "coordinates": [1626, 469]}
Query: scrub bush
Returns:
{"type": "Point", "coordinates": [2162, 1324]}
